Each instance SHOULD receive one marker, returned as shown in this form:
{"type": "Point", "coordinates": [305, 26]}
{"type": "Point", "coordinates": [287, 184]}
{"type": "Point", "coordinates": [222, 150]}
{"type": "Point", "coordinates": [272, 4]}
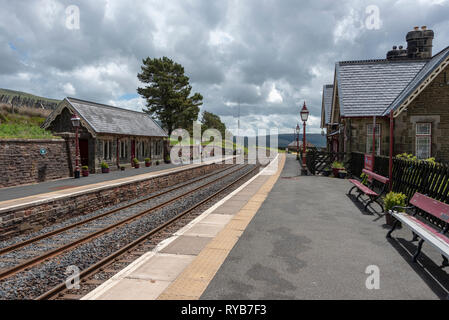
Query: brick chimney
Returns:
{"type": "Point", "coordinates": [419, 43]}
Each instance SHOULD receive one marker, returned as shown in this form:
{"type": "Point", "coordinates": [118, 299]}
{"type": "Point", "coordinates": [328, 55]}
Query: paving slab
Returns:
{"type": "Point", "coordinates": [187, 245]}
{"type": "Point", "coordinates": [163, 267]}
{"type": "Point", "coordinates": [309, 240]}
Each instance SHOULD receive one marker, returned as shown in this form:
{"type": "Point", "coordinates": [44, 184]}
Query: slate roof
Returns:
{"type": "Point", "coordinates": [108, 119]}
{"type": "Point", "coordinates": [328, 90]}
{"type": "Point", "coordinates": [418, 79]}
{"type": "Point", "coordinates": [368, 87]}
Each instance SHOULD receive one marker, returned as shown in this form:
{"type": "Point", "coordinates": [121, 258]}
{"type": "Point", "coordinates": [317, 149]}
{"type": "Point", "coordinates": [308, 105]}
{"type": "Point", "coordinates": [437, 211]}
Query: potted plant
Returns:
{"type": "Point", "coordinates": [391, 200]}
{"type": "Point", "coordinates": [136, 163]}
{"type": "Point", "coordinates": [342, 173]}
{"type": "Point", "coordinates": [157, 162]}
{"type": "Point", "coordinates": [122, 168]}
{"type": "Point", "coordinates": [336, 167]}
{"type": "Point", "coordinates": [147, 162]}
{"type": "Point", "coordinates": [327, 171]}
{"type": "Point", "coordinates": [167, 159]}
{"type": "Point", "coordinates": [104, 167]}
{"type": "Point", "coordinates": [85, 171]}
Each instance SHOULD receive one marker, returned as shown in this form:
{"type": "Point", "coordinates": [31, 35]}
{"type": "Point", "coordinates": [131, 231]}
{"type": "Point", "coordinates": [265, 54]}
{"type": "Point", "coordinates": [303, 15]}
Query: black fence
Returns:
{"type": "Point", "coordinates": [410, 176]}
{"type": "Point", "coordinates": [317, 161]}
{"type": "Point", "coordinates": [381, 164]}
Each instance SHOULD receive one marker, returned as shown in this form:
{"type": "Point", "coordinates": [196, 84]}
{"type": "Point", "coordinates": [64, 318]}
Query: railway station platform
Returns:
{"type": "Point", "coordinates": [25, 195]}
{"type": "Point", "coordinates": [282, 236]}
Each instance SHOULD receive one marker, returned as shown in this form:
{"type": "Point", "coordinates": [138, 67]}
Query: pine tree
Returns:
{"type": "Point", "coordinates": [167, 93]}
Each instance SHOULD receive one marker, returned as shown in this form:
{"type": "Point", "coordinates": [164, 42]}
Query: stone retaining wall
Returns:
{"type": "Point", "coordinates": [34, 217]}
{"type": "Point", "coordinates": [24, 161]}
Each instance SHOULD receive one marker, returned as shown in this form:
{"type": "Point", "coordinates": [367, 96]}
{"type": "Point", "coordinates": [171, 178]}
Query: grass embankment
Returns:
{"type": "Point", "coordinates": [224, 143]}
{"type": "Point", "coordinates": [24, 123]}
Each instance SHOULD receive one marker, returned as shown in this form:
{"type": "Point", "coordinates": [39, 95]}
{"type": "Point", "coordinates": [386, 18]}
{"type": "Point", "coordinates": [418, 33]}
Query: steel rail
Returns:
{"type": "Point", "coordinates": [90, 270]}
{"type": "Point", "coordinates": [49, 254]}
{"type": "Point", "coordinates": [74, 225]}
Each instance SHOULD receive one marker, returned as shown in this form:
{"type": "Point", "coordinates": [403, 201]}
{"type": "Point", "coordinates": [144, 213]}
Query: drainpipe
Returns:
{"type": "Point", "coordinates": [390, 164]}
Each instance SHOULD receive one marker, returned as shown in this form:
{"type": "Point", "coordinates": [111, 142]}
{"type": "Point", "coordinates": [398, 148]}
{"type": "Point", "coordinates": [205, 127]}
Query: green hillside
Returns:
{"type": "Point", "coordinates": [24, 123]}
{"type": "Point", "coordinates": [19, 98]}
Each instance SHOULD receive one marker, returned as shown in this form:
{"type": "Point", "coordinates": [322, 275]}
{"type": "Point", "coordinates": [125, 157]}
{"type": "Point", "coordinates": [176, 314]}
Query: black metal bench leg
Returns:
{"type": "Point", "coordinates": [415, 237]}
{"type": "Point", "coordinates": [418, 251]}
{"type": "Point", "coordinates": [395, 224]}
{"type": "Point", "coordinates": [368, 203]}
{"type": "Point", "coordinates": [445, 262]}
{"type": "Point", "coordinates": [350, 190]}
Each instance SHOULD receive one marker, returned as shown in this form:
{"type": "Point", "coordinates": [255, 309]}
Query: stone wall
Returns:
{"type": "Point", "coordinates": [24, 161]}
{"type": "Point", "coordinates": [431, 105]}
{"type": "Point", "coordinates": [32, 218]}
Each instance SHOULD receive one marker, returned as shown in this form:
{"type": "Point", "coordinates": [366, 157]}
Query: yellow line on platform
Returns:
{"type": "Point", "coordinates": [192, 282]}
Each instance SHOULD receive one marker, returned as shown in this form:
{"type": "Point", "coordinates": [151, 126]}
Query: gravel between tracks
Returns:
{"type": "Point", "coordinates": [35, 281]}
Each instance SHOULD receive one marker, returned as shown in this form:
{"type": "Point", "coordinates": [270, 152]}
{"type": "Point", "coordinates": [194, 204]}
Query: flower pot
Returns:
{"type": "Point", "coordinates": [136, 165]}
{"type": "Point", "coordinates": [342, 175]}
{"type": "Point", "coordinates": [326, 173]}
{"type": "Point", "coordinates": [389, 219]}
{"type": "Point", "coordinates": [122, 168]}
{"type": "Point", "coordinates": [335, 171]}
{"type": "Point", "coordinates": [104, 170]}
{"type": "Point", "coordinates": [85, 173]}
{"type": "Point", "coordinates": [167, 161]}
{"type": "Point", "coordinates": [147, 164]}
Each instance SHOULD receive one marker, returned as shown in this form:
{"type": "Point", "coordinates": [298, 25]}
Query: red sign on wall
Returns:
{"type": "Point", "coordinates": [369, 162]}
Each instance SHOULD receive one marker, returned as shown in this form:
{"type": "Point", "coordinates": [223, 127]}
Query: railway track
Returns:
{"type": "Point", "coordinates": [27, 242]}
{"type": "Point", "coordinates": [67, 247]}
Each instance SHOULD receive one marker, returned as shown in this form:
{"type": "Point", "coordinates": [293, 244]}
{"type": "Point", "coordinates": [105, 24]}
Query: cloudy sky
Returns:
{"type": "Point", "coordinates": [266, 55]}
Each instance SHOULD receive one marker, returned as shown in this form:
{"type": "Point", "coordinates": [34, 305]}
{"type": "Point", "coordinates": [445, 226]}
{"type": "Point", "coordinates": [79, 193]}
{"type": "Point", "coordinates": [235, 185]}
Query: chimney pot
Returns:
{"type": "Point", "coordinates": [394, 47]}
{"type": "Point", "coordinates": [400, 47]}
{"type": "Point", "coordinates": [416, 28]}
{"type": "Point", "coordinates": [424, 27]}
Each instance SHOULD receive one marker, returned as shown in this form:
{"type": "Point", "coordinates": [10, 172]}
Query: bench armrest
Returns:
{"type": "Point", "coordinates": [399, 207]}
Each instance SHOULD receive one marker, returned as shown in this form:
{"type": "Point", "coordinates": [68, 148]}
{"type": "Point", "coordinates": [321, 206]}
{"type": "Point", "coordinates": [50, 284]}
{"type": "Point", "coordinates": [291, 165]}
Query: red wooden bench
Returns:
{"type": "Point", "coordinates": [368, 190]}
{"type": "Point", "coordinates": [429, 222]}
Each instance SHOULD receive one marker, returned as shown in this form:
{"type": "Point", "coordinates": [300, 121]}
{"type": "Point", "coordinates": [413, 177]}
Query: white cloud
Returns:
{"type": "Point", "coordinates": [274, 96]}
{"type": "Point", "coordinates": [69, 89]}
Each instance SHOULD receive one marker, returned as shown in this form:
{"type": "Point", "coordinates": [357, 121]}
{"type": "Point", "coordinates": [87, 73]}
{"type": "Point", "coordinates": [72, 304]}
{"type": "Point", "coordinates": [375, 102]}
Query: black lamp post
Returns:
{"type": "Point", "coordinates": [76, 123]}
{"type": "Point", "coordinates": [304, 116]}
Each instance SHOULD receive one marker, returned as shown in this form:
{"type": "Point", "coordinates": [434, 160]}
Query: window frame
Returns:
{"type": "Point", "coordinates": [123, 149]}
{"type": "Point", "coordinates": [107, 149]}
{"type": "Point", "coordinates": [428, 135]}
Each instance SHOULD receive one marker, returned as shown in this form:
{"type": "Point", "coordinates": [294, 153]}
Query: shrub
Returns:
{"type": "Point", "coordinates": [364, 178]}
{"type": "Point", "coordinates": [338, 165]}
{"type": "Point", "coordinates": [157, 162]}
{"type": "Point", "coordinates": [104, 165]}
{"type": "Point", "coordinates": [85, 168]}
{"type": "Point", "coordinates": [406, 156]}
{"type": "Point", "coordinates": [394, 199]}
{"type": "Point", "coordinates": [147, 160]}
{"type": "Point", "coordinates": [135, 161]}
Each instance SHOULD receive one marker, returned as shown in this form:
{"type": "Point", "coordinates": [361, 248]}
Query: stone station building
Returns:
{"type": "Point", "coordinates": [110, 134]}
{"type": "Point", "coordinates": [410, 85]}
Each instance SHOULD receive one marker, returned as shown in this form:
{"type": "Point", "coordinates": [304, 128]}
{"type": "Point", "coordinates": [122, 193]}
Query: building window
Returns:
{"type": "Point", "coordinates": [423, 140]}
{"type": "Point", "coordinates": [369, 138]}
{"type": "Point", "coordinates": [142, 149]}
{"type": "Point", "coordinates": [123, 149]}
{"type": "Point", "coordinates": [107, 150]}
